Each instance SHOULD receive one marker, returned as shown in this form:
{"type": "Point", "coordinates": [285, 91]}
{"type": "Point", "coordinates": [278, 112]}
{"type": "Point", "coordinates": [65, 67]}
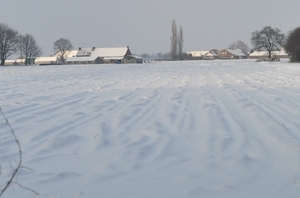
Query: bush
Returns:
{"type": "Point", "coordinates": [292, 46]}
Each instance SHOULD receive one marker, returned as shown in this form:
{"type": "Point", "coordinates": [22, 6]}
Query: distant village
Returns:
{"type": "Point", "coordinates": [123, 55]}
{"type": "Point", "coordinates": [81, 56]}
{"type": "Point", "coordinates": [223, 54]}
{"type": "Point", "coordinates": [272, 40]}
{"type": "Point", "coordinates": [236, 54]}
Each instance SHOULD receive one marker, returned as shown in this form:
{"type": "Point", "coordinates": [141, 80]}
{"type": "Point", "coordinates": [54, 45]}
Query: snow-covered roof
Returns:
{"type": "Point", "coordinates": [236, 52]}
{"type": "Point", "coordinates": [266, 53]}
{"type": "Point", "coordinates": [72, 53]}
{"type": "Point", "coordinates": [84, 52]}
{"type": "Point", "coordinates": [198, 53]}
{"type": "Point", "coordinates": [90, 54]}
{"type": "Point", "coordinates": [68, 54]}
{"type": "Point", "coordinates": [110, 52]}
{"type": "Point", "coordinates": [136, 56]}
{"type": "Point", "coordinates": [81, 59]}
{"type": "Point", "coordinates": [113, 58]}
{"type": "Point", "coordinates": [45, 59]}
{"type": "Point", "coordinates": [14, 61]}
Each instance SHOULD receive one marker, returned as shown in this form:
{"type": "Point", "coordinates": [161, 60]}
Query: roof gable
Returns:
{"type": "Point", "coordinates": [236, 52]}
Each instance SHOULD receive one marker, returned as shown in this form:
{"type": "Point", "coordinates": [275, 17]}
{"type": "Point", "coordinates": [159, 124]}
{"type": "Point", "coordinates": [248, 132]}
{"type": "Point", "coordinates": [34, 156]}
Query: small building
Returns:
{"type": "Point", "coordinates": [265, 54]}
{"type": "Point", "coordinates": [54, 60]}
{"type": "Point", "coordinates": [212, 55]}
{"type": "Point", "coordinates": [68, 54]}
{"type": "Point", "coordinates": [204, 55]}
{"type": "Point", "coordinates": [231, 54]}
{"type": "Point", "coordinates": [133, 59]}
{"type": "Point", "coordinates": [50, 60]}
{"type": "Point", "coordinates": [16, 62]}
{"type": "Point", "coordinates": [198, 54]}
{"type": "Point", "coordinates": [84, 60]}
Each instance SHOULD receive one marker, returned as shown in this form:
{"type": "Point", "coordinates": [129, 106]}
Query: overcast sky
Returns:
{"type": "Point", "coordinates": [145, 25]}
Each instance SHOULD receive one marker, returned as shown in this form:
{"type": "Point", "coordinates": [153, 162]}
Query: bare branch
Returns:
{"type": "Point", "coordinates": [27, 168]}
{"type": "Point", "coordinates": [24, 187]}
{"type": "Point", "coordinates": [15, 171]}
{"type": "Point", "coordinates": [239, 45]}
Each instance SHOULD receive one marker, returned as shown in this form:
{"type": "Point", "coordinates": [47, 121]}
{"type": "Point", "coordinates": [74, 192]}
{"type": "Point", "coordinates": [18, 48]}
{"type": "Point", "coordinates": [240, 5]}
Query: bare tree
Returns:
{"type": "Point", "coordinates": [174, 40]}
{"type": "Point", "coordinates": [239, 45]}
{"type": "Point", "coordinates": [242, 46]}
{"type": "Point", "coordinates": [180, 43]}
{"type": "Point", "coordinates": [29, 48]}
{"type": "Point", "coordinates": [292, 46]}
{"type": "Point", "coordinates": [145, 56]}
{"type": "Point", "coordinates": [8, 42]}
{"type": "Point", "coordinates": [232, 46]}
{"type": "Point", "coordinates": [62, 46]}
{"type": "Point", "coordinates": [268, 39]}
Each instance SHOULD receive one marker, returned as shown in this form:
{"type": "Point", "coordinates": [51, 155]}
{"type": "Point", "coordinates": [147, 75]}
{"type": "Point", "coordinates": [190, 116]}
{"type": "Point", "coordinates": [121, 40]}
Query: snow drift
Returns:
{"type": "Point", "coordinates": [175, 129]}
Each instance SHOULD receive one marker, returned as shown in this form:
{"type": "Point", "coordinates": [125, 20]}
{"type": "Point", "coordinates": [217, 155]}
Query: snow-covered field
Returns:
{"type": "Point", "coordinates": [174, 129]}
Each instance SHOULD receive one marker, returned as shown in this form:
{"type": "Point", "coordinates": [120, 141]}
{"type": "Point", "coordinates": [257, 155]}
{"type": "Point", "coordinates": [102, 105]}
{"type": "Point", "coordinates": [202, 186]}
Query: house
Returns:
{"type": "Point", "coordinates": [50, 60]}
{"type": "Point", "coordinates": [54, 60]}
{"type": "Point", "coordinates": [205, 54]}
{"type": "Point", "coordinates": [101, 55]}
{"type": "Point", "coordinates": [68, 54]}
{"type": "Point", "coordinates": [265, 54]}
{"type": "Point", "coordinates": [212, 55]}
{"type": "Point", "coordinates": [133, 59]}
{"type": "Point", "coordinates": [16, 62]}
{"type": "Point", "coordinates": [231, 54]}
{"type": "Point", "coordinates": [83, 60]}
{"type": "Point", "coordinates": [197, 54]}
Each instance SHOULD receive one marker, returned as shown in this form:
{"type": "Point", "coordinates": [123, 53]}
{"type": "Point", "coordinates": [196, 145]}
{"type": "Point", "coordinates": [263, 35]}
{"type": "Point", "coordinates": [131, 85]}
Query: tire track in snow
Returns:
{"type": "Point", "coordinates": [271, 118]}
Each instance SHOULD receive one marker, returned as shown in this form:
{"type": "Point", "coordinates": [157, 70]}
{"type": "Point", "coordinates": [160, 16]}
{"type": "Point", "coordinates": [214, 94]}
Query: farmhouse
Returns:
{"type": "Point", "coordinates": [265, 54]}
{"type": "Point", "coordinates": [50, 60]}
{"type": "Point", "coordinates": [102, 55]}
{"type": "Point", "coordinates": [197, 54]}
{"type": "Point", "coordinates": [16, 62]}
{"type": "Point", "coordinates": [211, 55]}
{"type": "Point", "coordinates": [231, 54]}
{"type": "Point", "coordinates": [206, 54]}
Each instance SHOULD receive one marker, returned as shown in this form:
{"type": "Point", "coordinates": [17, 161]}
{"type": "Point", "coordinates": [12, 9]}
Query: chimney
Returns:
{"type": "Point", "coordinates": [79, 48]}
{"type": "Point", "coordinates": [93, 48]}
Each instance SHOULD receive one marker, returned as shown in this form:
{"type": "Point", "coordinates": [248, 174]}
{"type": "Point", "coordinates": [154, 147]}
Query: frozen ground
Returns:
{"type": "Point", "coordinates": [176, 129]}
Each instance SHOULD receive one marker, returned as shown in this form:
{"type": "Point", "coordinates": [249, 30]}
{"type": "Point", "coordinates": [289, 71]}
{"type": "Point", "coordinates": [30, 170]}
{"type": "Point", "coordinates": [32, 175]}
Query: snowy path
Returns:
{"type": "Point", "coordinates": [175, 129]}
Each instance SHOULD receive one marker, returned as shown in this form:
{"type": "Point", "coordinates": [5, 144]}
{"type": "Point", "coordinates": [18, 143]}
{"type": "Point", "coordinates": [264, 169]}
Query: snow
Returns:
{"type": "Point", "coordinates": [209, 129]}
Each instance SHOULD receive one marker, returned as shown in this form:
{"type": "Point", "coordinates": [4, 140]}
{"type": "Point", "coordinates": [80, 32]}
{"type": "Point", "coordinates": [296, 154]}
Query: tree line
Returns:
{"type": "Point", "coordinates": [272, 39]}
{"type": "Point", "coordinates": [12, 42]}
{"type": "Point", "coordinates": [268, 39]}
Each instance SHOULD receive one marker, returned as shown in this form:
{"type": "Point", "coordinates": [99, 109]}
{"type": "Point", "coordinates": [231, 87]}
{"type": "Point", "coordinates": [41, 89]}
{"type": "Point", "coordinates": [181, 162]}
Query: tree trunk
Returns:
{"type": "Point", "coordinates": [270, 54]}
{"type": "Point", "coordinates": [2, 62]}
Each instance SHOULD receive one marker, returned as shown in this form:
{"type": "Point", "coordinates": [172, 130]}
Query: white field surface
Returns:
{"type": "Point", "coordinates": [175, 129]}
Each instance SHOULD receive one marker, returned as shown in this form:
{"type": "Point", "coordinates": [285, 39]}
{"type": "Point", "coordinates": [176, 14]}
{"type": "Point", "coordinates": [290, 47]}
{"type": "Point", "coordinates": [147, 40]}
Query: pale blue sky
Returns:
{"type": "Point", "coordinates": [146, 25]}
